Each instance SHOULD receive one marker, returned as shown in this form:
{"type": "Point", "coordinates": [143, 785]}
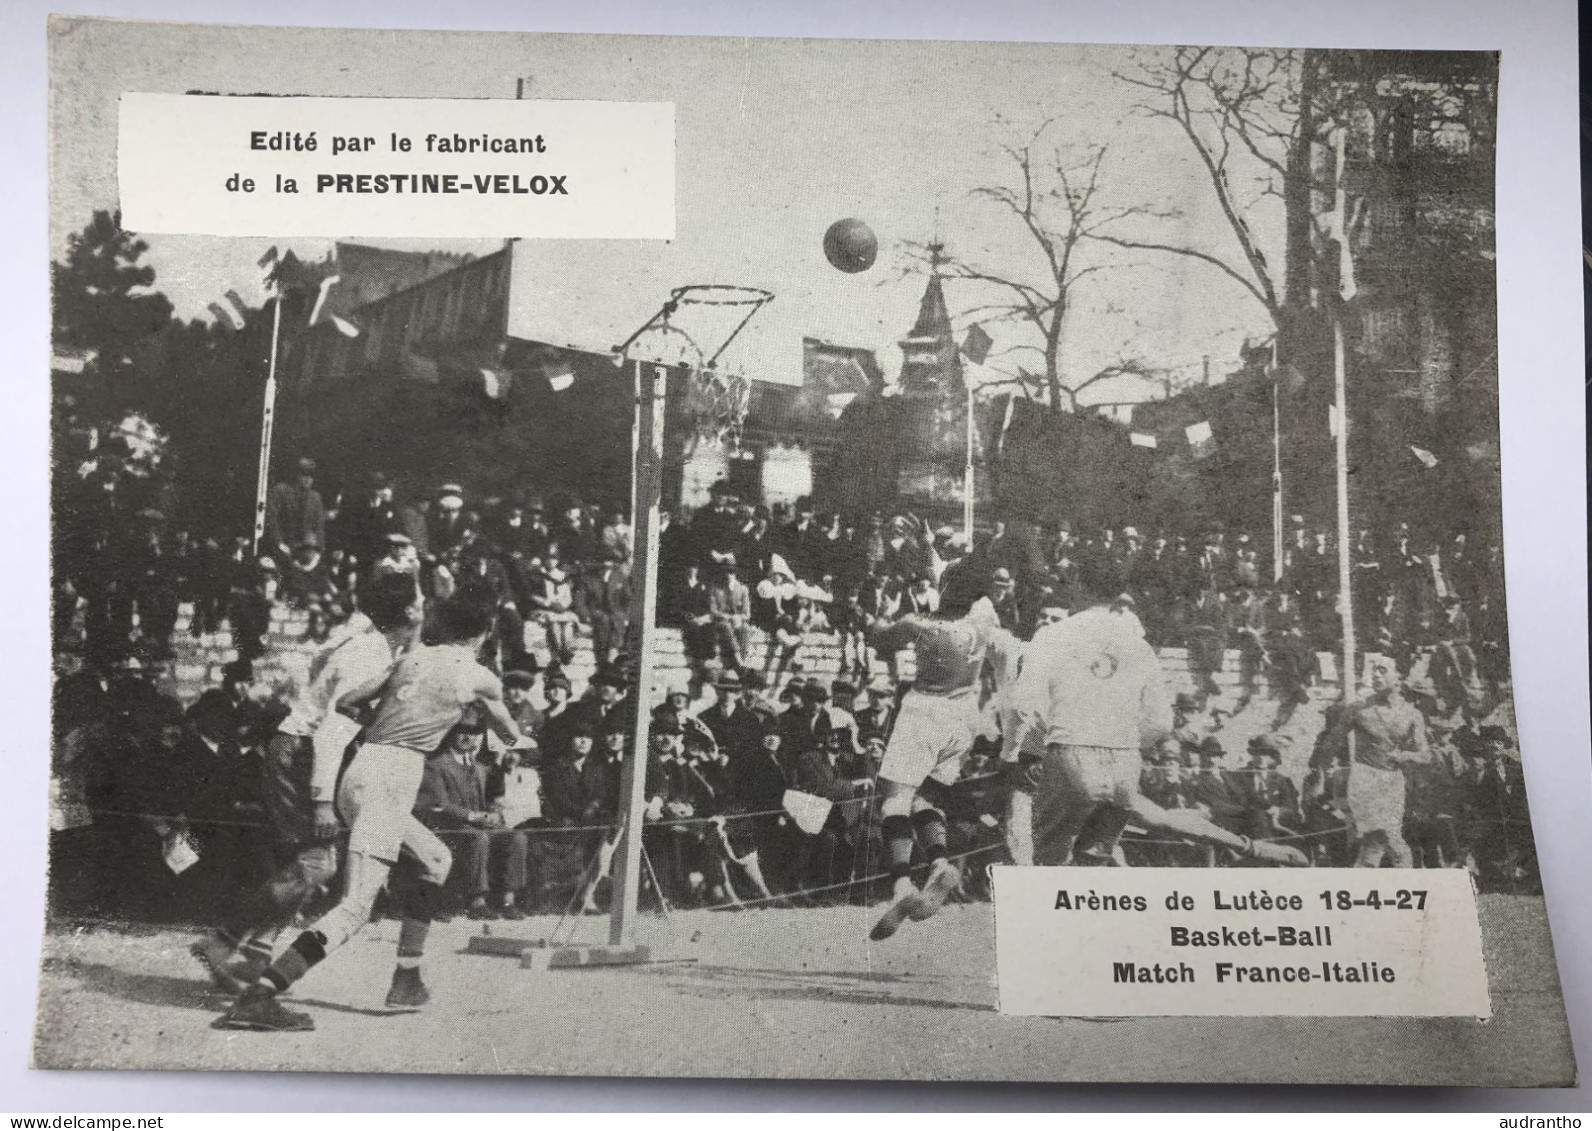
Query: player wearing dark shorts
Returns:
{"type": "Point", "coordinates": [421, 700]}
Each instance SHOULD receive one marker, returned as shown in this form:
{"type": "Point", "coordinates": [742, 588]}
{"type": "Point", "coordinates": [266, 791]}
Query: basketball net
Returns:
{"type": "Point", "coordinates": [697, 318]}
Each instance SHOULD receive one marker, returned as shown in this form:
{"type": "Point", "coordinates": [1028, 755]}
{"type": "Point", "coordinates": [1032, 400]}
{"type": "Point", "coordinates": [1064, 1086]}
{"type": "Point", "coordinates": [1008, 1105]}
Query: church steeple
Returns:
{"type": "Point", "coordinates": [931, 365]}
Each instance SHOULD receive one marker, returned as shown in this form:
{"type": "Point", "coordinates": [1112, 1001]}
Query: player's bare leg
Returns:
{"type": "Point", "coordinates": [908, 819]}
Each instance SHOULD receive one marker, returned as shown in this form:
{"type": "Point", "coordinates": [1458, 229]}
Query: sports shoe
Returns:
{"type": "Point", "coordinates": [257, 1010]}
{"type": "Point", "coordinates": [944, 878]}
{"type": "Point", "coordinates": [1270, 852]}
{"type": "Point", "coordinates": [512, 911]}
{"type": "Point", "coordinates": [408, 991]}
{"type": "Point", "coordinates": [212, 954]}
{"type": "Point", "coordinates": [478, 909]}
{"type": "Point", "coordinates": [906, 894]}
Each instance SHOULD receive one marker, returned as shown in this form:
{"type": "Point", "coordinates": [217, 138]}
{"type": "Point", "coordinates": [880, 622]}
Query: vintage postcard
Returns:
{"type": "Point", "coordinates": [782, 558]}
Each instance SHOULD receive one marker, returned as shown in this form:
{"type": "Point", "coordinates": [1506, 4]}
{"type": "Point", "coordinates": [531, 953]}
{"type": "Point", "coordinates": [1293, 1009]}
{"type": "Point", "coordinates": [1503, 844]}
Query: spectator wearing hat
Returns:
{"type": "Point", "coordinates": [1271, 800]}
{"type": "Point", "coordinates": [676, 794]}
{"type": "Point", "coordinates": [454, 801]}
{"type": "Point", "coordinates": [874, 706]}
{"type": "Point", "coordinates": [734, 727]}
{"type": "Point", "coordinates": [730, 604]}
{"type": "Point", "coordinates": [604, 703]}
{"type": "Point", "coordinates": [294, 513]}
{"type": "Point", "coordinates": [445, 520]}
{"type": "Point", "coordinates": [830, 770]}
{"type": "Point", "coordinates": [804, 724]}
{"type": "Point", "coordinates": [1215, 789]}
{"type": "Point", "coordinates": [602, 602]}
{"type": "Point", "coordinates": [559, 714]}
{"type": "Point", "coordinates": [611, 754]}
{"type": "Point", "coordinates": [1503, 846]}
{"type": "Point", "coordinates": [576, 795]}
{"type": "Point", "coordinates": [1003, 594]}
{"type": "Point", "coordinates": [363, 525]}
{"type": "Point", "coordinates": [518, 687]}
{"type": "Point", "coordinates": [307, 585]}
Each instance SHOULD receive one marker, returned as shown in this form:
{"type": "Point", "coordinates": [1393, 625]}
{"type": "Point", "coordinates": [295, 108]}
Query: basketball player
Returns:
{"type": "Point", "coordinates": [934, 731]}
{"type": "Point", "coordinates": [1389, 740]}
{"type": "Point", "coordinates": [1093, 687]}
{"type": "Point", "coordinates": [422, 699]}
{"type": "Point", "coordinates": [302, 759]}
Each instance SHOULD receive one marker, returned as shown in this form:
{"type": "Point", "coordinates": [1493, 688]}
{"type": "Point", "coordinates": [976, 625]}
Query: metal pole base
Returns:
{"type": "Point", "coordinates": [505, 946]}
{"type": "Point", "coordinates": [585, 957]}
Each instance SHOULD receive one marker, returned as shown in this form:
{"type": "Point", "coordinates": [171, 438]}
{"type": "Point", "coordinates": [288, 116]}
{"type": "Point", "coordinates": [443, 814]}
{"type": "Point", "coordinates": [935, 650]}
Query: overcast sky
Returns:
{"type": "Point", "coordinates": [776, 139]}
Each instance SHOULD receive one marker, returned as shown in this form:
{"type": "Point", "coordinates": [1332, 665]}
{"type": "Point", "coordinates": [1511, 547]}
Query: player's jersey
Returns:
{"type": "Point", "coordinates": [1091, 680]}
{"type": "Point", "coordinates": [359, 656]}
{"type": "Point", "coordinates": [949, 655]}
{"type": "Point", "coordinates": [426, 696]}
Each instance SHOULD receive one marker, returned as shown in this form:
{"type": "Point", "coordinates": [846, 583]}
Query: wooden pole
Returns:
{"type": "Point", "coordinates": [1276, 476]}
{"type": "Point", "coordinates": [646, 475]}
{"type": "Point", "coordinates": [262, 482]}
{"type": "Point", "coordinates": [967, 475]}
{"type": "Point", "coordinates": [1341, 451]}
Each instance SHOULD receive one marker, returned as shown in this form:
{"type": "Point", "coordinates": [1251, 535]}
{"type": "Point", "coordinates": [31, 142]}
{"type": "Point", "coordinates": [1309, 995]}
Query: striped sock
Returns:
{"type": "Point", "coordinates": [294, 962]}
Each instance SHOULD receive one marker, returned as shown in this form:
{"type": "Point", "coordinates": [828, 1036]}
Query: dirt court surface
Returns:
{"type": "Point", "coordinates": [772, 993]}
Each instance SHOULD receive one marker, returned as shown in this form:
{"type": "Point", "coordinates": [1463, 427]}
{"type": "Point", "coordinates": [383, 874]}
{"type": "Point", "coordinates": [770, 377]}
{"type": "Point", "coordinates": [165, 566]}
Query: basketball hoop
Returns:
{"type": "Point", "coordinates": [681, 333]}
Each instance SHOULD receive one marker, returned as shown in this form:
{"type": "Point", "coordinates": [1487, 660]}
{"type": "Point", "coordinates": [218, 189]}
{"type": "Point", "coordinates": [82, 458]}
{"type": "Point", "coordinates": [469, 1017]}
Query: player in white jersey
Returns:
{"type": "Point", "coordinates": [1093, 688]}
{"type": "Point", "coordinates": [421, 700]}
{"type": "Point", "coordinates": [934, 731]}
{"type": "Point", "coordinates": [301, 763]}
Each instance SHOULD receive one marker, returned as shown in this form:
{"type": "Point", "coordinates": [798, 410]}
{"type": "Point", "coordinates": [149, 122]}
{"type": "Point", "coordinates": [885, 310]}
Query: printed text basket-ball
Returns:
{"type": "Point", "coordinates": [850, 245]}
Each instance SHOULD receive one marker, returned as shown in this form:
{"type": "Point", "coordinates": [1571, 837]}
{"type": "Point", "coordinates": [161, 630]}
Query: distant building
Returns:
{"type": "Point", "coordinates": [417, 375]}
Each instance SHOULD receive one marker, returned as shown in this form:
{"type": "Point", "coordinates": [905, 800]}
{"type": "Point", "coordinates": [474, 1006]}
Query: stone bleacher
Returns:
{"type": "Point", "coordinates": [198, 661]}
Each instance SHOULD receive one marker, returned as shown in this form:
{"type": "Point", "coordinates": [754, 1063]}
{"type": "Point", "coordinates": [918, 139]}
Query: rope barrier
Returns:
{"type": "Point", "coordinates": [678, 822]}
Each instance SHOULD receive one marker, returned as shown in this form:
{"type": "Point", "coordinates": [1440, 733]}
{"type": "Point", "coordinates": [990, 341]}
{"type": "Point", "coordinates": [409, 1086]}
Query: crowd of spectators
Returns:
{"type": "Point", "coordinates": [534, 830]}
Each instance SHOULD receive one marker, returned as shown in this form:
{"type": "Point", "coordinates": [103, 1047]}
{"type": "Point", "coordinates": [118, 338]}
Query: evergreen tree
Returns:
{"type": "Point", "coordinates": [103, 303]}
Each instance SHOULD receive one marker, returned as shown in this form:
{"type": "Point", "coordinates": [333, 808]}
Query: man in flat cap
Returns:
{"type": "Point", "coordinates": [294, 513]}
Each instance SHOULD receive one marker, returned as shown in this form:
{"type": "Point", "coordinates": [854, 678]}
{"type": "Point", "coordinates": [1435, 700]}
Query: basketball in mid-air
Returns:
{"type": "Point", "coordinates": [851, 246]}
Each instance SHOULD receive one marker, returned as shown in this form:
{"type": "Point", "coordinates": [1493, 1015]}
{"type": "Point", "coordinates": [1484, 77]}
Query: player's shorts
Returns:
{"type": "Point", "coordinates": [1376, 801]}
{"type": "Point", "coordinates": [377, 800]}
{"type": "Point", "coordinates": [932, 735]}
{"type": "Point", "coordinates": [1103, 774]}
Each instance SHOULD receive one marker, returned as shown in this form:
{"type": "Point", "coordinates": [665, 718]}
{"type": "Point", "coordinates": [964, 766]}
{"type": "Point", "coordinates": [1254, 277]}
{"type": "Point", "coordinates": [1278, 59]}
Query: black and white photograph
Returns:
{"type": "Point", "coordinates": [525, 655]}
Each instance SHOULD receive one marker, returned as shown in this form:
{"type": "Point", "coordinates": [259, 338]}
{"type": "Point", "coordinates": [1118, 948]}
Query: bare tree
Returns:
{"type": "Point", "coordinates": [1054, 194]}
{"type": "Point", "coordinates": [1244, 114]}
